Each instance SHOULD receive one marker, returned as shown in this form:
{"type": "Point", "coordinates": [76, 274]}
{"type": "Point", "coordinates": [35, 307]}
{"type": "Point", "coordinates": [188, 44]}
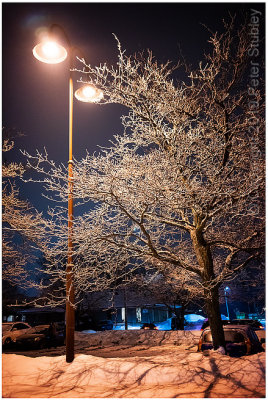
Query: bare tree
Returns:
{"type": "Point", "coordinates": [172, 289]}
{"type": "Point", "coordinates": [22, 226]}
{"type": "Point", "coordinates": [183, 187]}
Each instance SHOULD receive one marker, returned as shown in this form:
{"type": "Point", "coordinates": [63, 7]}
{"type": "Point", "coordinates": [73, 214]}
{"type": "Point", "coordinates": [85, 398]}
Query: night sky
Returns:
{"type": "Point", "coordinates": [35, 95]}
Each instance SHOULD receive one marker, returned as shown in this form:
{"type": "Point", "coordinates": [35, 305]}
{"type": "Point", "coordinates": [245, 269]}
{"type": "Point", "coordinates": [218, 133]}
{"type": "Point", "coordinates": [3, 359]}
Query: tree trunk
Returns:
{"type": "Point", "coordinates": [181, 318]}
{"type": "Point", "coordinates": [212, 303]}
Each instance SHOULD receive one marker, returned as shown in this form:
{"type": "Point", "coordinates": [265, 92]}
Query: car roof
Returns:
{"type": "Point", "coordinates": [232, 326]}
{"type": "Point", "coordinates": [237, 326]}
{"type": "Point", "coordinates": [15, 322]}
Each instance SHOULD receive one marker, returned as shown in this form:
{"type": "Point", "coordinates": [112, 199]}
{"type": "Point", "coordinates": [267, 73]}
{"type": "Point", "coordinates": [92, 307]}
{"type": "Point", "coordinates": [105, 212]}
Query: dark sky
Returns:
{"type": "Point", "coordinates": [35, 95]}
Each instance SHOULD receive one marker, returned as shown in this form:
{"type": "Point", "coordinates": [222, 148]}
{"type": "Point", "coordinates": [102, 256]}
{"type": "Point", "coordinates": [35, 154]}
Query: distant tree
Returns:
{"type": "Point", "coordinates": [174, 290]}
{"type": "Point", "coordinates": [246, 290]}
{"type": "Point", "coordinates": [183, 187]}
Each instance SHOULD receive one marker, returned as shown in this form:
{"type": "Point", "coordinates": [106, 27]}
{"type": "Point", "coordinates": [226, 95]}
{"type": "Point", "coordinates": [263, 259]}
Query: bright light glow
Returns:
{"type": "Point", "coordinates": [50, 52]}
{"type": "Point", "coordinates": [89, 91]}
{"type": "Point", "coordinates": [50, 49]}
{"type": "Point", "coordinates": [88, 94]}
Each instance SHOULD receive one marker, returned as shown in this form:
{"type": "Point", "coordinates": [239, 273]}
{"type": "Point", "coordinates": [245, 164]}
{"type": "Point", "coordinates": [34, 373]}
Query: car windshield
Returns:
{"type": "Point", "coordinates": [230, 336]}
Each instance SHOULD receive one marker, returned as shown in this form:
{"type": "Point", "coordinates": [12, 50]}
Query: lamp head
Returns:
{"type": "Point", "coordinates": [50, 52]}
{"type": "Point", "coordinates": [88, 94]}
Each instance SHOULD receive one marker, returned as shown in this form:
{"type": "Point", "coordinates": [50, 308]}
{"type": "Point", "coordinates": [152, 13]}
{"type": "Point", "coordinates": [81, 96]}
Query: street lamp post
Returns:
{"type": "Point", "coordinates": [70, 312]}
{"type": "Point", "coordinates": [51, 52]}
{"type": "Point", "coordinates": [226, 289]}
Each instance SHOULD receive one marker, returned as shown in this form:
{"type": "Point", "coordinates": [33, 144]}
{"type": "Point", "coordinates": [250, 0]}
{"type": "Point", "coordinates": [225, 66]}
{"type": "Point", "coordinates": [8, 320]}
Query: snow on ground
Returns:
{"type": "Point", "coordinates": [136, 337]}
{"type": "Point", "coordinates": [174, 374]}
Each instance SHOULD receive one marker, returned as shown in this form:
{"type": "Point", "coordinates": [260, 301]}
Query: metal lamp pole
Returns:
{"type": "Point", "coordinates": [70, 312]}
{"type": "Point", "coordinates": [227, 308]}
{"type": "Point", "coordinates": [49, 51]}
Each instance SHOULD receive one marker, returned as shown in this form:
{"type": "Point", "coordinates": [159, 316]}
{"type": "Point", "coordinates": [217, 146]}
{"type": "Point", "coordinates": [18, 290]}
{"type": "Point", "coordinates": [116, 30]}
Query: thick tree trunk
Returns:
{"type": "Point", "coordinates": [214, 317]}
{"type": "Point", "coordinates": [204, 257]}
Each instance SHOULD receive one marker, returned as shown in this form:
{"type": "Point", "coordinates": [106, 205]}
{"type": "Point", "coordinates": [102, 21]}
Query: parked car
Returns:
{"type": "Point", "coordinates": [41, 336]}
{"type": "Point", "coordinates": [256, 325]}
{"type": "Point", "coordinates": [240, 340]}
{"type": "Point", "coordinates": [104, 325]}
{"type": "Point", "coordinates": [148, 326]}
{"type": "Point", "coordinates": [12, 330]}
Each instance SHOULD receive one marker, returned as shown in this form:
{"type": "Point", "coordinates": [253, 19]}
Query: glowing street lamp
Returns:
{"type": "Point", "coordinates": [51, 52]}
{"type": "Point", "coordinates": [88, 94]}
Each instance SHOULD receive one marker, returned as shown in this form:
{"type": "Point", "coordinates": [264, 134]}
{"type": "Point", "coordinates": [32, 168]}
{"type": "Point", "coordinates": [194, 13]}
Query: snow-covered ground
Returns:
{"type": "Point", "coordinates": [134, 364]}
{"type": "Point", "coordinates": [176, 374]}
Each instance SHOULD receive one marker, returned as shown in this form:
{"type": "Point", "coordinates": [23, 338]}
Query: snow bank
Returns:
{"type": "Point", "coordinates": [178, 374]}
{"type": "Point", "coordinates": [137, 337]}
{"type": "Point", "coordinates": [194, 318]}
